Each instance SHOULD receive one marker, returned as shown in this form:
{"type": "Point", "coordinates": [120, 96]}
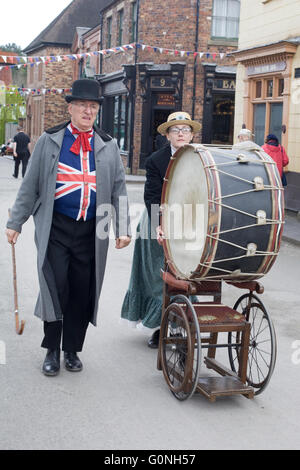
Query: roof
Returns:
{"type": "Point", "coordinates": [60, 32]}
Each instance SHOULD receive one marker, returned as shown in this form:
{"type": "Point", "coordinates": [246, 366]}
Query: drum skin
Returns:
{"type": "Point", "coordinates": [243, 203]}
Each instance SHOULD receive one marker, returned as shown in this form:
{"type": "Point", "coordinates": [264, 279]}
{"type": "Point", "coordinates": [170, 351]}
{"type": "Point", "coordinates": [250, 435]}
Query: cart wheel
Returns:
{"type": "Point", "coordinates": [180, 347]}
{"type": "Point", "coordinates": [262, 347]}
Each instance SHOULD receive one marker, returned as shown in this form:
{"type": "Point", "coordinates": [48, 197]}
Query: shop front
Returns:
{"type": "Point", "coordinates": [218, 107]}
{"type": "Point", "coordinates": [267, 76]}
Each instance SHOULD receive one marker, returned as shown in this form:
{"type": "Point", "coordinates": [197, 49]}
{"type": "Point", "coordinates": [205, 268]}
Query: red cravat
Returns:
{"type": "Point", "coordinates": [82, 140]}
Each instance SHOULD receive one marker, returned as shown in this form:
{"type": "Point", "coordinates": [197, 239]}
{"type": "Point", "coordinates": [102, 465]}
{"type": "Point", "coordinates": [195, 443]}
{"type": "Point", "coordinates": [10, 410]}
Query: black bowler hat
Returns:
{"type": "Point", "coordinates": [85, 89]}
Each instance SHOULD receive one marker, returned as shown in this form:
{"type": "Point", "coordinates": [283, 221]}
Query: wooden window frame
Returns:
{"type": "Point", "coordinates": [264, 99]}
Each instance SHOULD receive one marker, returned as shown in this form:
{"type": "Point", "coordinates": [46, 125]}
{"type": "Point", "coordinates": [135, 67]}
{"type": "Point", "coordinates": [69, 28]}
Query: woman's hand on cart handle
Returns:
{"type": "Point", "coordinates": [159, 235]}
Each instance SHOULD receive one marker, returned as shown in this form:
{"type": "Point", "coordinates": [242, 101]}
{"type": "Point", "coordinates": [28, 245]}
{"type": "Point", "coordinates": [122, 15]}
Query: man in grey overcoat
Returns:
{"type": "Point", "coordinates": [74, 187]}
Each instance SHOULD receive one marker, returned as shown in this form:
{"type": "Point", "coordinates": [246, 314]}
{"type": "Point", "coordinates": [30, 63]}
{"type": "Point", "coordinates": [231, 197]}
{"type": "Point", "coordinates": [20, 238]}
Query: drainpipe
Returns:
{"type": "Point", "coordinates": [195, 59]}
{"type": "Point", "coordinates": [133, 90]}
{"type": "Point", "coordinates": [101, 42]}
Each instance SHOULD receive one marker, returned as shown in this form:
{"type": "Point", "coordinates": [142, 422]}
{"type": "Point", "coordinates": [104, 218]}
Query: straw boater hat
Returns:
{"type": "Point", "coordinates": [178, 118]}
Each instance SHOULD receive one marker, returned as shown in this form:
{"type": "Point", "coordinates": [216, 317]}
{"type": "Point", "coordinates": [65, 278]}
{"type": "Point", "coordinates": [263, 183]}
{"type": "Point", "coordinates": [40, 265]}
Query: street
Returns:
{"type": "Point", "coordinates": [120, 400]}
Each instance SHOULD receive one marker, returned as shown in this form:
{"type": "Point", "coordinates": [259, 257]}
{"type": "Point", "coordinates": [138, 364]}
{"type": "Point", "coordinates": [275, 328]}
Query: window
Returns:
{"type": "Point", "coordinates": [280, 86]}
{"type": "Point", "coordinates": [133, 21]}
{"type": "Point", "coordinates": [266, 94]}
{"type": "Point", "coordinates": [120, 35]}
{"type": "Point", "coordinates": [225, 19]}
{"type": "Point", "coordinates": [258, 89]}
{"type": "Point", "coordinates": [269, 88]}
{"type": "Point", "coordinates": [115, 119]}
{"type": "Point", "coordinates": [108, 40]}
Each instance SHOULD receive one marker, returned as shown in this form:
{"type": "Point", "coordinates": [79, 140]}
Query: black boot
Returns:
{"type": "Point", "coordinates": [72, 362]}
{"type": "Point", "coordinates": [51, 364]}
{"type": "Point", "coordinates": [154, 340]}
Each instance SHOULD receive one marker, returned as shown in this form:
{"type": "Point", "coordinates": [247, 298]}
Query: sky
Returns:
{"type": "Point", "coordinates": [23, 20]}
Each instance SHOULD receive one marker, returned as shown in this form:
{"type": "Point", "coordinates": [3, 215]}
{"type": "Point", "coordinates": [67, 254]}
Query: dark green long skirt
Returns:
{"type": "Point", "coordinates": [142, 305]}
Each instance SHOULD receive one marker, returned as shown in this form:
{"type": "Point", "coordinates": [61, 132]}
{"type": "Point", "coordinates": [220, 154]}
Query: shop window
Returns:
{"type": "Point", "coordinates": [225, 19]}
{"type": "Point", "coordinates": [267, 99]}
{"type": "Point", "coordinates": [280, 86]}
{"type": "Point", "coordinates": [258, 89]}
{"type": "Point", "coordinates": [269, 88]}
{"type": "Point", "coordinates": [259, 122]}
{"type": "Point", "coordinates": [119, 126]}
{"type": "Point", "coordinates": [276, 120]}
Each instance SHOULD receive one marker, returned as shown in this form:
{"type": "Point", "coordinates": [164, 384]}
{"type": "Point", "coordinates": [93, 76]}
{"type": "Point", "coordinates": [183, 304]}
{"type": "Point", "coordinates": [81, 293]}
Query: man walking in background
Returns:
{"type": "Point", "coordinates": [21, 151]}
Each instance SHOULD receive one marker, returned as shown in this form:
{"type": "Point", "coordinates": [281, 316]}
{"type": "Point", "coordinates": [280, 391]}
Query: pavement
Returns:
{"type": "Point", "coordinates": [120, 401]}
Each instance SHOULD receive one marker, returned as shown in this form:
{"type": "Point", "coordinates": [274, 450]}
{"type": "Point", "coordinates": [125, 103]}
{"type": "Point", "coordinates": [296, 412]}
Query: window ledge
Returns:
{"type": "Point", "coordinates": [222, 42]}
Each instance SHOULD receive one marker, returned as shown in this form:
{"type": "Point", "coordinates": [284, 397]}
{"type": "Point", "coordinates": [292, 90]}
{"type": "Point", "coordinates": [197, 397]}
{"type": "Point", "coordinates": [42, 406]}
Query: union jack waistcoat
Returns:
{"type": "Point", "coordinates": [75, 194]}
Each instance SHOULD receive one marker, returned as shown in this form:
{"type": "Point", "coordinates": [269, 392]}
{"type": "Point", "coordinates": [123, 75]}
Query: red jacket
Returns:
{"type": "Point", "coordinates": [278, 154]}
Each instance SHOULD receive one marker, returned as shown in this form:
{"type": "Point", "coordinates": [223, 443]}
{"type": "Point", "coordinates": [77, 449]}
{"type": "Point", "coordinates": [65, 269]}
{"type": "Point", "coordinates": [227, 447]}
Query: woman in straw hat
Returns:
{"type": "Point", "coordinates": [142, 304]}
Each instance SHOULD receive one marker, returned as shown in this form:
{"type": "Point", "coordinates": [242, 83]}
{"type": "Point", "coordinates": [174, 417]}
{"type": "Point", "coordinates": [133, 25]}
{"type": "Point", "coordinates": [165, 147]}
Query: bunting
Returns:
{"type": "Point", "coordinates": [31, 61]}
{"type": "Point", "coordinates": [13, 90]}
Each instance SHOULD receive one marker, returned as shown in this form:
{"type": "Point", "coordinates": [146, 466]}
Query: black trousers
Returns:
{"type": "Point", "coordinates": [71, 254]}
{"type": "Point", "coordinates": [22, 157]}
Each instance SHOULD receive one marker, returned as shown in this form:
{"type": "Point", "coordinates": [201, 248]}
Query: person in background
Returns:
{"type": "Point", "coordinates": [21, 151]}
{"type": "Point", "coordinates": [245, 141]}
{"type": "Point", "coordinates": [276, 151]}
{"type": "Point", "coordinates": [142, 305]}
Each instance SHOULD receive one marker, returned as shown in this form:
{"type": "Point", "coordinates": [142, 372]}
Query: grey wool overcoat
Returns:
{"type": "Point", "coordinates": [36, 198]}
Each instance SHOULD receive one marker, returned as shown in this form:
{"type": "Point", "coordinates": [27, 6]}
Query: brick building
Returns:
{"type": "Point", "coordinates": [268, 80]}
{"type": "Point", "coordinates": [12, 108]}
{"type": "Point", "coordinates": [143, 85]}
{"type": "Point", "coordinates": [44, 108]}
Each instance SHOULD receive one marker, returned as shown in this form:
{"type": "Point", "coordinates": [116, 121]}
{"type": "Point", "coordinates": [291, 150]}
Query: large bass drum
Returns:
{"type": "Point", "coordinates": [222, 213]}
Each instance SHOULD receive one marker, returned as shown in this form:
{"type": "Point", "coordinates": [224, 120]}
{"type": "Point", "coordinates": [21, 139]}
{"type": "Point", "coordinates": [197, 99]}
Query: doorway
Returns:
{"type": "Point", "coordinates": [159, 116]}
{"type": "Point", "coordinates": [223, 119]}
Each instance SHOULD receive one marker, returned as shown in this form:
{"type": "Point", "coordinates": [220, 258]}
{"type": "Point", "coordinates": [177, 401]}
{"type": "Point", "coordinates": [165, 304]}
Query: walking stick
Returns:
{"type": "Point", "coordinates": [19, 328]}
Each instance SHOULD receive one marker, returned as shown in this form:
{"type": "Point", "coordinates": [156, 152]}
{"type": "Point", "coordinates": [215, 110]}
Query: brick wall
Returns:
{"type": "Point", "coordinates": [174, 28]}
{"type": "Point", "coordinates": [47, 110]}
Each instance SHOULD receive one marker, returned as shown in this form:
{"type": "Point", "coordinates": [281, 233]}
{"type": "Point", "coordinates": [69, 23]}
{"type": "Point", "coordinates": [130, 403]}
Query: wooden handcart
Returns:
{"type": "Point", "coordinates": [188, 328]}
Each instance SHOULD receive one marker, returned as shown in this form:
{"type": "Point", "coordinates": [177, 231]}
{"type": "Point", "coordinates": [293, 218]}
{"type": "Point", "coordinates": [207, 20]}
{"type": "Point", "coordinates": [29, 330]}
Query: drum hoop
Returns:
{"type": "Point", "coordinates": [164, 193]}
{"type": "Point", "coordinates": [277, 208]}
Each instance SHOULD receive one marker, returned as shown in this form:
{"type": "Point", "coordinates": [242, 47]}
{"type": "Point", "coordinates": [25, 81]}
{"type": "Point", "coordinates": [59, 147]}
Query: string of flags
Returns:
{"type": "Point", "coordinates": [31, 61]}
{"type": "Point", "coordinates": [13, 90]}
{"type": "Point", "coordinates": [12, 105]}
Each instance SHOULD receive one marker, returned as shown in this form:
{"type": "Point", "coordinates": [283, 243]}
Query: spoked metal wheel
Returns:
{"type": "Point", "coordinates": [262, 347]}
{"type": "Point", "coordinates": [180, 347]}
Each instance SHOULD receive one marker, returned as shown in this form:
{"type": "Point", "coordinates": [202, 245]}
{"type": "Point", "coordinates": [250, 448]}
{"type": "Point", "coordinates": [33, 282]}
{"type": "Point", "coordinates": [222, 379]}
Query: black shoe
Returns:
{"type": "Point", "coordinates": [51, 364]}
{"type": "Point", "coordinates": [154, 340]}
{"type": "Point", "coordinates": [15, 177]}
{"type": "Point", "coordinates": [72, 362]}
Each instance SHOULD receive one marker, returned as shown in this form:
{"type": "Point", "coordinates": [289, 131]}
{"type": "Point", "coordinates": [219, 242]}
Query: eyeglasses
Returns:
{"type": "Point", "coordinates": [184, 130]}
{"type": "Point", "coordinates": [82, 105]}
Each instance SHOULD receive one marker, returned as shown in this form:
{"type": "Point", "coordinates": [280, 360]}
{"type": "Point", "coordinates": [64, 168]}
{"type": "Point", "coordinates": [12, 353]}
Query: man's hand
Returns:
{"type": "Point", "coordinates": [122, 242]}
{"type": "Point", "coordinates": [12, 235]}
